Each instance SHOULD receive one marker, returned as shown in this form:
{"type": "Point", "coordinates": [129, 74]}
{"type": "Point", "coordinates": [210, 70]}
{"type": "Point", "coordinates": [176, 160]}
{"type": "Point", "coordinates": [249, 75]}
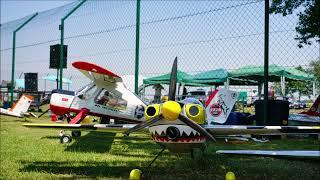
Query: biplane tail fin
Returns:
{"type": "Point", "coordinates": [219, 105]}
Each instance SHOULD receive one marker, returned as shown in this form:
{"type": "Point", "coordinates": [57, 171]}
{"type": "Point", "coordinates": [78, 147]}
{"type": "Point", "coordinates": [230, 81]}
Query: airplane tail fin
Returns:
{"type": "Point", "coordinates": [219, 105]}
{"type": "Point", "coordinates": [315, 108]}
{"type": "Point", "coordinates": [23, 104]}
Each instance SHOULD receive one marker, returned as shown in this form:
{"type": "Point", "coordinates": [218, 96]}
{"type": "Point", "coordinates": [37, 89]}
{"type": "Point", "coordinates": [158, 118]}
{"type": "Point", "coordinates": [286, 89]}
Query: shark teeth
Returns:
{"type": "Point", "coordinates": [184, 130]}
{"type": "Point", "coordinates": [187, 134]}
{"type": "Point", "coordinates": [199, 139]}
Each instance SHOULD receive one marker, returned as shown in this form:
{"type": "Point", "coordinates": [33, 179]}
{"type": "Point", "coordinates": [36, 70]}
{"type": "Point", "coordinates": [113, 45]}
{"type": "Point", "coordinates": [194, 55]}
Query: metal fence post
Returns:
{"type": "Point", "coordinates": [62, 38]}
{"type": "Point", "coordinates": [136, 78]}
{"type": "Point", "coordinates": [14, 55]}
{"type": "Point", "coordinates": [266, 61]}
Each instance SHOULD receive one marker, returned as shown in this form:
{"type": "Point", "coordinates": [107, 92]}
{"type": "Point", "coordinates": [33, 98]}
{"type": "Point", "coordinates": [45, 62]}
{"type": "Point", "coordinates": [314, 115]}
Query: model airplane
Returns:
{"type": "Point", "coordinates": [20, 108]}
{"type": "Point", "coordinates": [312, 116]}
{"type": "Point", "coordinates": [179, 126]}
{"type": "Point", "coordinates": [106, 96]}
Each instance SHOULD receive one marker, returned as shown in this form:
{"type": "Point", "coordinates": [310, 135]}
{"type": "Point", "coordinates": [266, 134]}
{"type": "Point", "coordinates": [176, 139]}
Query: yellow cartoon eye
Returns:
{"type": "Point", "coordinates": [195, 112]}
{"type": "Point", "coordinates": [152, 111]}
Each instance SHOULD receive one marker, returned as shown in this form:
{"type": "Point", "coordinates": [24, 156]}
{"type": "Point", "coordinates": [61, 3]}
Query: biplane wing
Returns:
{"type": "Point", "coordinates": [99, 75]}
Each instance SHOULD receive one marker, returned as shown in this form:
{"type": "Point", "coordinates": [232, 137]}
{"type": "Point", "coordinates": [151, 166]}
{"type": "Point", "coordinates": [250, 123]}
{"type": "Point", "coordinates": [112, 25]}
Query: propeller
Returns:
{"type": "Point", "coordinates": [173, 80]}
{"type": "Point", "coordinates": [143, 125]}
{"type": "Point", "coordinates": [171, 109]}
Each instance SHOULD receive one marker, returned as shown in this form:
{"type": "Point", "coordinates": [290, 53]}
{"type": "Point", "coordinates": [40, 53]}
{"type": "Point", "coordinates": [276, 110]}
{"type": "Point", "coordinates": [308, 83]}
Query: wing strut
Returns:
{"type": "Point", "coordinates": [80, 116]}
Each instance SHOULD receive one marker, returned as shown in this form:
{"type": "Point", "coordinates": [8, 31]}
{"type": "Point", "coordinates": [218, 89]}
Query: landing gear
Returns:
{"type": "Point", "coordinates": [76, 133]}
{"type": "Point", "coordinates": [105, 120]}
{"type": "Point", "coordinates": [198, 152]}
{"type": "Point", "coordinates": [64, 139]}
{"type": "Point", "coordinates": [136, 173]}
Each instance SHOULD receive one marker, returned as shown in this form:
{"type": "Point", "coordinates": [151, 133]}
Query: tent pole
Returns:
{"type": "Point", "coordinates": [314, 90]}
{"type": "Point", "coordinates": [283, 85]}
{"type": "Point", "coordinates": [259, 90]}
{"type": "Point", "coordinates": [226, 84]}
{"type": "Point", "coordinates": [144, 92]}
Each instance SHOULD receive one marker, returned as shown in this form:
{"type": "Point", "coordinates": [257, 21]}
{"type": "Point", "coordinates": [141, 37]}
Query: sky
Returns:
{"type": "Point", "coordinates": [204, 35]}
{"type": "Point", "coordinates": [12, 10]}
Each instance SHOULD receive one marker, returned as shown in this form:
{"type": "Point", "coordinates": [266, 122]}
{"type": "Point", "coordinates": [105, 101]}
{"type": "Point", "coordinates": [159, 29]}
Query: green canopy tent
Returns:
{"type": "Point", "coordinates": [165, 79]}
{"type": "Point", "coordinates": [217, 77]}
{"type": "Point", "coordinates": [276, 73]}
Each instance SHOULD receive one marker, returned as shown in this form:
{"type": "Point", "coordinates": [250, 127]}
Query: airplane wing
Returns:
{"type": "Point", "coordinates": [272, 153]}
{"type": "Point", "coordinates": [261, 130]}
{"type": "Point", "coordinates": [99, 75]}
{"type": "Point", "coordinates": [214, 130]}
{"type": "Point", "coordinates": [118, 128]}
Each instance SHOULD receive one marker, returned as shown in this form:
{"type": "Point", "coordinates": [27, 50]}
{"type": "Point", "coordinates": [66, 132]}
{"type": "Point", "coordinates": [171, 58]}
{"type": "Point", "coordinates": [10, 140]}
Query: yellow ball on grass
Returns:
{"type": "Point", "coordinates": [135, 174]}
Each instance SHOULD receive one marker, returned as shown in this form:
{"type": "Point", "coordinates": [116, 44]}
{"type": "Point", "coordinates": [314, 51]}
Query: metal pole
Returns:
{"type": "Point", "coordinates": [14, 55]}
{"type": "Point", "coordinates": [136, 79]}
{"type": "Point", "coordinates": [62, 38]}
{"type": "Point", "coordinates": [61, 54]}
{"type": "Point", "coordinates": [266, 60]}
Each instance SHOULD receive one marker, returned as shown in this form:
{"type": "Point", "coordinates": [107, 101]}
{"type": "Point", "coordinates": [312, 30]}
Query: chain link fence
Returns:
{"type": "Point", "coordinates": [204, 35]}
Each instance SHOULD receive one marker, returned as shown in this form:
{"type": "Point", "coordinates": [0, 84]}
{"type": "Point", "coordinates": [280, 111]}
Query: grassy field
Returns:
{"type": "Point", "coordinates": [37, 154]}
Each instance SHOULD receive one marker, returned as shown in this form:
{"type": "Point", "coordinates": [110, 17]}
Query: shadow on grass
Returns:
{"type": "Point", "coordinates": [95, 169]}
{"type": "Point", "coordinates": [21, 120]}
{"type": "Point", "coordinates": [98, 142]}
{"type": "Point", "coordinates": [81, 168]}
{"type": "Point", "coordinates": [173, 167]}
{"type": "Point", "coordinates": [101, 142]}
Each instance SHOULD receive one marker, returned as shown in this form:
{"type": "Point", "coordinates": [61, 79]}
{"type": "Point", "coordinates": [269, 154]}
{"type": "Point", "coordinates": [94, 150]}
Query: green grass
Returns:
{"type": "Point", "coordinates": [37, 154]}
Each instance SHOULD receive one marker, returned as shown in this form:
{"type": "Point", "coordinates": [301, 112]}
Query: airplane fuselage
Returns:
{"type": "Point", "coordinates": [124, 106]}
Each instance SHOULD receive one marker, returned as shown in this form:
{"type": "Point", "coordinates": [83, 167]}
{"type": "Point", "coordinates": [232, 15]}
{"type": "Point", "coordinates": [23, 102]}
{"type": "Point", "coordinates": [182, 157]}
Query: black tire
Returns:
{"type": "Point", "coordinates": [76, 133]}
{"type": "Point", "coordinates": [105, 120]}
{"type": "Point", "coordinates": [60, 117]}
{"type": "Point", "coordinates": [64, 139]}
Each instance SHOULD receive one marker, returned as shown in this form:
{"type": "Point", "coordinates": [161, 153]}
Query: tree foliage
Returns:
{"type": "Point", "coordinates": [315, 69]}
{"type": "Point", "coordinates": [303, 87]}
{"type": "Point", "coordinates": [309, 19]}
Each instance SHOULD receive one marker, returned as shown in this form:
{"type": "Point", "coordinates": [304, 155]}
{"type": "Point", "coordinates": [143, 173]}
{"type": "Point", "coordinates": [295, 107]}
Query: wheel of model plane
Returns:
{"type": "Point", "coordinates": [61, 133]}
{"type": "Point", "coordinates": [135, 174]}
{"type": "Point", "coordinates": [76, 133]}
{"type": "Point", "coordinates": [65, 139]}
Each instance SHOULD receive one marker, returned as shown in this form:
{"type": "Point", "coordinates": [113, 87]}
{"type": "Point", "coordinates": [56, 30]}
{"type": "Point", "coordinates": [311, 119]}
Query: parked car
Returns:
{"type": "Point", "coordinates": [199, 94]}
{"type": "Point", "coordinates": [298, 105]}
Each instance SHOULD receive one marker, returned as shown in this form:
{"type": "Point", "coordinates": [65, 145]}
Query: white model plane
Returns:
{"type": "Point", "coordinates": [106, 96]}
{"type": "Point", "coordinates": [179, 126]}
{"type": "Point", "coordinates": [20, 108]}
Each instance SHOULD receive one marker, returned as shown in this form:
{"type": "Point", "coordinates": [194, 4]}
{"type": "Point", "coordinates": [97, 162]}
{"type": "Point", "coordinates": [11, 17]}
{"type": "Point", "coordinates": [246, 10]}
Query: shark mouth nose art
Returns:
{"type": "Point", "coordinates": [176, 134]}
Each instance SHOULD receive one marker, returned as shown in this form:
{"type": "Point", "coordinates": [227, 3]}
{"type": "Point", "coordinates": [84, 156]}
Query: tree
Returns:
{"type": "Point", "coordinates": [309, 20]}
{"type": "Point", "coordinates": [315, 69]}
{"type": "Point", "coordinates": [302, 87]}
